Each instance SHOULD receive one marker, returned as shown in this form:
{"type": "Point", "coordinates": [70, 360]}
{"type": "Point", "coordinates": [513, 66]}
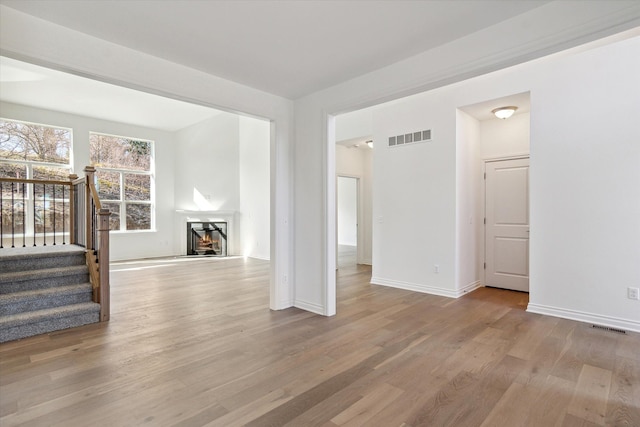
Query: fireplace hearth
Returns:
{"type": "Point", "coordinates": [207, 238]}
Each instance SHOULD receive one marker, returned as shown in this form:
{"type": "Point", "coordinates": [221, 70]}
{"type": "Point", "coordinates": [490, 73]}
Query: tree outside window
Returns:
{"type": "Point", "coordinates": [34, 151]}
{"type": "Point", "coordinates": [124, 179]}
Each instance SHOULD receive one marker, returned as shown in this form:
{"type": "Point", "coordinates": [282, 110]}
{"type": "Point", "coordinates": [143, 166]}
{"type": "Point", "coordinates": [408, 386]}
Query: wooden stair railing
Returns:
{"type": "Point", "coordinates": [86, 224]}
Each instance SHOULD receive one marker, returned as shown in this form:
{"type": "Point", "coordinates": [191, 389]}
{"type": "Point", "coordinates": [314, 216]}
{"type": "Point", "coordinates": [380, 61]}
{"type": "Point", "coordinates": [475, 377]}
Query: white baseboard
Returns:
{"type": "Point", "coordinates": [308, 306]}
{"type": "Point", "coordinates": [365, 261]}
{"type": "Point", "coordinates": [283, 305]}
{"type": "Point", "coordinates": [266, 258]}
{"type": "Point", "coordinates": [581, 316]}
{"type": "Point", "coordinates": [425, 289]}
{"type": "Point", "coordinates": [469, 288]}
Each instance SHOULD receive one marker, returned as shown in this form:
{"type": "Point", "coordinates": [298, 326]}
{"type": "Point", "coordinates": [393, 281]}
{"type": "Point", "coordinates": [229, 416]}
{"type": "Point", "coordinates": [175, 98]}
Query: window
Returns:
{"type": "Point", "coordinates": [124, 179]}
{"type": "Point", "coordinates": [33, 151]}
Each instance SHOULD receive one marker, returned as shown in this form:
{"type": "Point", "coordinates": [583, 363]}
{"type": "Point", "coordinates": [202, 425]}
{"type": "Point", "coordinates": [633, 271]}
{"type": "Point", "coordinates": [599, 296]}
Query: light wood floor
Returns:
{"type": "Point", "coordinates": [192, 343]}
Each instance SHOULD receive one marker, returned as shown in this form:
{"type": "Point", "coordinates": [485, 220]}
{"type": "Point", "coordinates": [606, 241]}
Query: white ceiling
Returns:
{"type": "Point", "coordinates": [482, 110]}
{"type": "Point", "coordinates": [35, 86]}
{"type": "Point", "coordinates": [288, 48]}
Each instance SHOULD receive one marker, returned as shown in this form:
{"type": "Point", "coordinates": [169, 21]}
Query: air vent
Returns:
{"type": "Point", "coordinates": [410, 138]}
{"type": "Point", "coordinates": [606, 328]}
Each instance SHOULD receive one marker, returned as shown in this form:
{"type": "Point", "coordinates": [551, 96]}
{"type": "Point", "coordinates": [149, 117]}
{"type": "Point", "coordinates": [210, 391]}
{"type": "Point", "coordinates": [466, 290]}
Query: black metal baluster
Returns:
{"type": "Point", "coordinates": [44, 214]}
{"type": "Point", "coordinates": [34, 214]}
{"type": "Point", "coordinates": [13, 217]}
{"type": "Point", "coordinates": [24, 218]}
{"type": "Point", "coordinates": [93, 224]}
{"type": "Point", "coordinates": [63, 217]}
{"type": "Point", "coordinates": [54, 214]}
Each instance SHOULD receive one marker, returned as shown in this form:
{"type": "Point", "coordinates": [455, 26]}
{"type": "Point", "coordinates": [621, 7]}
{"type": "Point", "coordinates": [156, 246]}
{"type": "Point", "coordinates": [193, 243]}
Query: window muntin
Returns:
{"type": "Point", "coordinates": [124, 179]}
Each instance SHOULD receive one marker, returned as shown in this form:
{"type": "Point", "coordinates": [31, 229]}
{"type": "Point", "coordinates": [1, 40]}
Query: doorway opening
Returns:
{"type": "Point", "coordinates": [497, 152]}
{"type": "Point", "coordinates": [225, 170]}
{"type": "Point", "coordinates": [347, 221]}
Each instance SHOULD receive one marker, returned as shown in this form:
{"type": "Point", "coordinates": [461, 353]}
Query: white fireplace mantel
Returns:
{"type": "Point", "coordinates": [184, 216]}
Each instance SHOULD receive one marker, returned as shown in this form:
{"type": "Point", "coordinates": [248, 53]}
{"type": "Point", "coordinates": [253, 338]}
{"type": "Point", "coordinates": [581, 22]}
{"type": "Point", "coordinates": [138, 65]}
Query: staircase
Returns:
{"type": "Point", "coordinates": [44, 289]}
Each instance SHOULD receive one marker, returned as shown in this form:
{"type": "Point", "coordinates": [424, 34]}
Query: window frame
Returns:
{"type": "Point", "coordinates": [121, 201]}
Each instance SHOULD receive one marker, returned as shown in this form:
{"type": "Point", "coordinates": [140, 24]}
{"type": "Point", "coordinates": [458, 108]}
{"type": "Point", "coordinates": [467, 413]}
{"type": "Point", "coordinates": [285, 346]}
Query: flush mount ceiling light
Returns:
{"type": "Point", "coordinates": [504, 112]}
{"type": "Point", "coordinates": [370, 143]}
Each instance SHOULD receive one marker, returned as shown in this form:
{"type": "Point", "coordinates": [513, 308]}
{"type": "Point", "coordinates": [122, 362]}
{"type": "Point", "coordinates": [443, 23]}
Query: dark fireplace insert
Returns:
{"type": "Point", "coordinates": [207, 238]}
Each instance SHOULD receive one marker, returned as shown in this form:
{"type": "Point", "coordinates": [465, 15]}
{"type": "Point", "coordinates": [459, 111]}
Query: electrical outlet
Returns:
{"type": "Point", "coordinates": [633, 293]}
{"type": "Point", "coordinates": [436, 268]}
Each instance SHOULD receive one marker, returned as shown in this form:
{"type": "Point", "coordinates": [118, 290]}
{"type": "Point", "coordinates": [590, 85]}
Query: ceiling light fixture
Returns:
{"type": "Point", "coordinates": [370, 143]}
{"type": "Point", "coordinates": [504, 112]}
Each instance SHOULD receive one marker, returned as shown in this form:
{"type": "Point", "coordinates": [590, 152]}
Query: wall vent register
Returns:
{"type": "Point", "coordinates": [410, 138]}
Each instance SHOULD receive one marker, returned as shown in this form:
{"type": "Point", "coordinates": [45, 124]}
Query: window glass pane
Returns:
{"type": "Point", "coordinates": [138, 216]}
{"type": "Point", "coordinates": [14, 207]}
{"type": "Point", "coordinates": [11, 170]}
{"type": "Point", "coordinates": [50, 173]}
{"type": "Point", "coordinates": [119, 153]}
{"type": "Point", "coordinates": [43, 195]}
{"type": "Point", "coordinates": [137, 187]}
{"type": "Point", "coordinates": [38, 143]}
{"type": "Point", "coordinates": [114, 219]}
{"type": "Point", "coordinates": [50, 208]}
{"type": "Point", "coordinates": [108, 185]}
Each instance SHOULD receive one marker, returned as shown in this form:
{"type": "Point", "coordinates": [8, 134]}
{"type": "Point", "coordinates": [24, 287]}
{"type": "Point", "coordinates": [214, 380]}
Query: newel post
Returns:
{"type": "Point", "coordinates": [103, 263]}
{"type": "Point", "coordinates": [72, 210]}
{"type": "Point", "coordinates": [89, 178]}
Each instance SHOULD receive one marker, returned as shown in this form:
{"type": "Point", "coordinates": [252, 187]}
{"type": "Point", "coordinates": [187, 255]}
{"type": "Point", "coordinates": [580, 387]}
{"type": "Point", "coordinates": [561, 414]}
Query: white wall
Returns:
{"type": "Point", "coordinates": [206, 158]}
{"type": "Point", "coordinates": [414, 194]}
{"type": "Point", "coordinates": [254, 187]}
{"type": "Point", "coordinates": [347, 211]}
{"type": "Point", "coordinates": [136, 244]}
{"type": "Point", "coordinates": [505, 138]}
{"type": "Point", "coordinates": [585, 186]}
{"type": "Point", "coordinates": [356, 124]}
{"type": "Point", "coordinates": [469, 209]}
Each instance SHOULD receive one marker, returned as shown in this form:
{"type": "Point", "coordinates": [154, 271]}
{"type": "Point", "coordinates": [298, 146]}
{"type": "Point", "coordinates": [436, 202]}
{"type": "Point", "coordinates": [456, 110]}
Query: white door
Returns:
{"type": "Point", "coordinates": [507, 224]}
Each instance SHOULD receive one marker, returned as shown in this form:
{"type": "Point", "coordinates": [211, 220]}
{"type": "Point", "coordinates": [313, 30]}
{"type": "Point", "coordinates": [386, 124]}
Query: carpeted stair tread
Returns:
{"type": "Point", "coordinates": [29, 258]}
{"type": "Point", "coordinates": [28, 324]}
{"type": "Point", "coordinates": [40, 251]}
{"type": "Point", "coordinates": [20, 276]}
{"type": "Point", "coordinates": [27, 318]}
{"type": "Point", "coordinates": [37, 299]}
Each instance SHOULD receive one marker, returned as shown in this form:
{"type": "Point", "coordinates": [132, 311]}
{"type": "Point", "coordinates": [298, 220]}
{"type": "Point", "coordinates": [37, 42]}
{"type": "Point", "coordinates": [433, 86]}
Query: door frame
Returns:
{"type": "Point", "coordinates": [483, 200]}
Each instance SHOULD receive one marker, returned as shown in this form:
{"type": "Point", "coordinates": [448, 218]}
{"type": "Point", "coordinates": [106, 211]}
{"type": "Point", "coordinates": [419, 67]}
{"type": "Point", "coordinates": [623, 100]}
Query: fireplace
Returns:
{"type": "Point", "coordinates": [207, 238]}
